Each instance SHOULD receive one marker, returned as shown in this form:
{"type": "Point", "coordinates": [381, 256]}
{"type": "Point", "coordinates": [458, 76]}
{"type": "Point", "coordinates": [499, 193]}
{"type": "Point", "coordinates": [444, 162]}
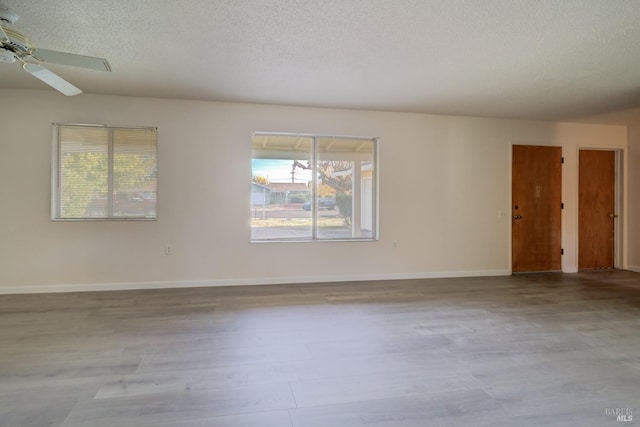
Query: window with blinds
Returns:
{"type": "Point", "coordinates": [103, 172]}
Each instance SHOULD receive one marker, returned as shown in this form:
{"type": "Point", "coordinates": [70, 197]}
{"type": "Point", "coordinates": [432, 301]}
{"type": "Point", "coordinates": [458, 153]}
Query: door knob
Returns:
{"type": "Point", "coordinates": [613, 216]}
{"type": "Point", "coordinates": [517, 217]}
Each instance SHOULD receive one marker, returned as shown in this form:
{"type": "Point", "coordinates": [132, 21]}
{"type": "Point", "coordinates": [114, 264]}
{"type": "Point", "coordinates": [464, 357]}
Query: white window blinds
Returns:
{"type": "Point", "coordinates": [102, 172]}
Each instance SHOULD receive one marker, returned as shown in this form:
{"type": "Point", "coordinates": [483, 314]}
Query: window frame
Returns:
{"type": "Point", "coordinates": [315, 156]}
{"type": "Point", "coordinates": [56, 170]}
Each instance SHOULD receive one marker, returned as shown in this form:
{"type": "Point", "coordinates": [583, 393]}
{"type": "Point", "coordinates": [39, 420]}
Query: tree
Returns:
{"type": "Point", "coordinates": [326, 191]}
{"type": "Point", "coordinates": [133, 172]}
{"type": "Point", "coordinates": [259, 179]}
{"type": "Point", "coordinates": [85, 178]}
{"type": "Point", "coordinates": [338, 175]}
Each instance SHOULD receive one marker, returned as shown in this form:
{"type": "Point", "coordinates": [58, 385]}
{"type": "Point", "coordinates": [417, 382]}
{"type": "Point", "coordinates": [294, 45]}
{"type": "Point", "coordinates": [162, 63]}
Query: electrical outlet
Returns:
{"type": "Point", "coordinates": [168, 250]}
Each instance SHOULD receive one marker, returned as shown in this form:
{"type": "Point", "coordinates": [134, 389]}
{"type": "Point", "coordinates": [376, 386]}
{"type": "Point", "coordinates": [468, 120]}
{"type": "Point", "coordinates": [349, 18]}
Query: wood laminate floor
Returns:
{"type": "Point", "coordinates": [532, 350]}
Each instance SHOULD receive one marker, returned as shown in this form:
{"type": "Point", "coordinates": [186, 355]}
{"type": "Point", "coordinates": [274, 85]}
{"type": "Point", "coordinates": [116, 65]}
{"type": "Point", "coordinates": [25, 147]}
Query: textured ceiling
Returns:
{"type": "Point", "coordinates": [536, 59]}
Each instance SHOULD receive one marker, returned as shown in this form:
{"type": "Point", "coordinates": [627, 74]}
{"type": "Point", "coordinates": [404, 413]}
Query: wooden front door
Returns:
{"type": "Point", "coordinates": [596, 209]}
{"type": "Point", "coordinates": [536, 210]}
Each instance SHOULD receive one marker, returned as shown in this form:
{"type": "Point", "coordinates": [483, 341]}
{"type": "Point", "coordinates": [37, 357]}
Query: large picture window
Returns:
{"type": "Point", "coordinates": [313, 187]}
{"type": "Point", "coordinates": [102, 172]}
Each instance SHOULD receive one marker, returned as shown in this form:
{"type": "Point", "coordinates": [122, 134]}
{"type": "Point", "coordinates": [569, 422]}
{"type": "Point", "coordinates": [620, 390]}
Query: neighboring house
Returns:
{"type": "Point", "coordinates": [260, 194]}
{"type": "Point", "coordinates": [289, 192]}
{"type": "Point", "coordinates": [278, 193]}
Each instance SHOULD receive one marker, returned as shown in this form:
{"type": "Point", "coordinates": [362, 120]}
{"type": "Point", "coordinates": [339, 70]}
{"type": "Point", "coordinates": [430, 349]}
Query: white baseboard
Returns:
{"type": "Point", "coordinates": [633, 268]}
{"type": "Point", "coordinates": [121, 286]}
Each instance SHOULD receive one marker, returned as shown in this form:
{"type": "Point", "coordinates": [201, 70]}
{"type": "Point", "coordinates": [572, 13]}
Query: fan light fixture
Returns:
{"type": "Point", "coordinates": [15, 46]}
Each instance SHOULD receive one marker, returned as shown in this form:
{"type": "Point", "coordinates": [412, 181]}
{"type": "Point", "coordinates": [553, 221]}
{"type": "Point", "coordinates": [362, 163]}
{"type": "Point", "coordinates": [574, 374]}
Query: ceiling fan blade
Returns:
{"type": "Point", "coordinates": [53, 80]}
{"type": "Point", "coordinates": [3, 36]}
{"type": "Point", "coordinates": [71, 59]}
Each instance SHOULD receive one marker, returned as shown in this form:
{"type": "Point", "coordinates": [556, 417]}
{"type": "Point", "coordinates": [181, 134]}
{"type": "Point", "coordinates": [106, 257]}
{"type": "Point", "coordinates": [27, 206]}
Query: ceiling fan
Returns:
{"type": "Point", "coordinates": [16, 47]}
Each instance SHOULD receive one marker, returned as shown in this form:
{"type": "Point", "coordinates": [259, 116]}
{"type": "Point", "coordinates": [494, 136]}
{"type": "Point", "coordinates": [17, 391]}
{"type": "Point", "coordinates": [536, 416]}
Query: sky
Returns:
{"type": "Point", "coordinates": [279, 170]}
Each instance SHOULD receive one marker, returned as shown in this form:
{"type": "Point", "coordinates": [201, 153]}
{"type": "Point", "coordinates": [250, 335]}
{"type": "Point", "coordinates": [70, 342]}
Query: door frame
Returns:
{"type": "Point", "coordinates": [618, 225]}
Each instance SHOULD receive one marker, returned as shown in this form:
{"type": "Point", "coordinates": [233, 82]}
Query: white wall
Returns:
{"type": "Point", "coordinates": [634, 197]}
{"type": "Point", "coordinates": [443, 182]}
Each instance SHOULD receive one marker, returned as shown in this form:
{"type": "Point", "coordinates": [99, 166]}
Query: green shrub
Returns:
{"type": "Point", "coordinates": [344, 202]}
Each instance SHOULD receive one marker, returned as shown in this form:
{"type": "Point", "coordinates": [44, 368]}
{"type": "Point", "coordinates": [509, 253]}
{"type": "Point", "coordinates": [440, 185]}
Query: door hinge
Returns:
{"type": "Point", "coordinates": [561, 251]}
{"type": "Point", "coordinates": [561, 205]}
{"type": "Point", "coordinates": [561, 159]}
